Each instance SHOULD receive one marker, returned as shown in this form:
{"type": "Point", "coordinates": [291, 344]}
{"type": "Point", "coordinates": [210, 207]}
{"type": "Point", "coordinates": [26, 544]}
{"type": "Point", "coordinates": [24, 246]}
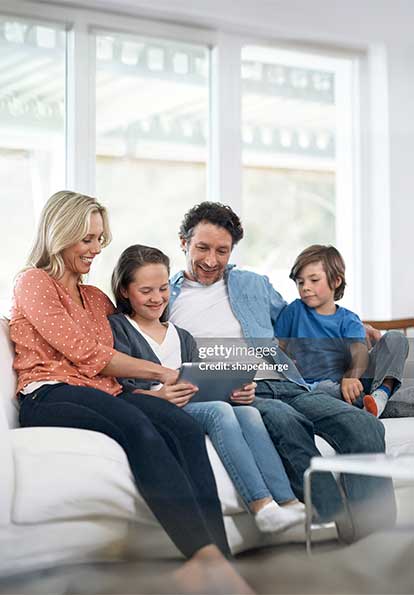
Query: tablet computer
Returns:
{"type": "Point", "coordinates": [216, 380]}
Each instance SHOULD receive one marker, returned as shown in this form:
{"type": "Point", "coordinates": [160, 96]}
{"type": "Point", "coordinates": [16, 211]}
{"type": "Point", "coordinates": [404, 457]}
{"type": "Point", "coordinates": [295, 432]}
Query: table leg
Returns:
{"type": "Point", "coordinates": [307, 484]}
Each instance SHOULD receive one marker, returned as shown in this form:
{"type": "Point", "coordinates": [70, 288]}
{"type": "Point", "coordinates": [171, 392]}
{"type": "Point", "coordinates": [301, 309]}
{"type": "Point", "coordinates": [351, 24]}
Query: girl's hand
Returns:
{"type": "Point", "coordinates": [244, 395]}
{"type": "Point", "coordinates": [178, 394]}
{"type": "Point", "coordinates": [351, 389]}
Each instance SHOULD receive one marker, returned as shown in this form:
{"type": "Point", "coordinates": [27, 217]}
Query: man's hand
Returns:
{"type": "Point", "coordinates": [244, 395]}
{"type": "Point", "coordinates": [351, 389]}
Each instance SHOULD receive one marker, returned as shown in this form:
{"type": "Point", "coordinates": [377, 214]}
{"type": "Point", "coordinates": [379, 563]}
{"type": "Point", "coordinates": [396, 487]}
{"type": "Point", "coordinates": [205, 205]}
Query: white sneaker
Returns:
{"type": "Point", "coordinates": [376, 402]}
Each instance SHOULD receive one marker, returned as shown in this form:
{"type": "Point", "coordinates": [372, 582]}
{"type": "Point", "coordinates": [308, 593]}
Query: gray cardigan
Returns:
{"type": "Point", "coordinates": [128, 340]}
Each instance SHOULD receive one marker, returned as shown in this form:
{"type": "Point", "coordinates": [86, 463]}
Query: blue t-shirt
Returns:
{"type": "Point", "coordinates": [319, 344]}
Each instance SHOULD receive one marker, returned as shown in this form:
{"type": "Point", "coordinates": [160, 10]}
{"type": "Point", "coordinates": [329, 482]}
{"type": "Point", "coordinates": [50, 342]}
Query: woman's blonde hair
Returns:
{"type": "Point", "coordinates": [64, 221]}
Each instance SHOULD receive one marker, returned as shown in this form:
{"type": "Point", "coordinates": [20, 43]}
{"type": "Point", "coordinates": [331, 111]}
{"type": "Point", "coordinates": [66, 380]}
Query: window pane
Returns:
{"type": "Point", "coordinates": [290, 120]}
{"type": "Point", "coordinates": [32, 107]}
{"type": "Point", "coordinates": [152, 127]}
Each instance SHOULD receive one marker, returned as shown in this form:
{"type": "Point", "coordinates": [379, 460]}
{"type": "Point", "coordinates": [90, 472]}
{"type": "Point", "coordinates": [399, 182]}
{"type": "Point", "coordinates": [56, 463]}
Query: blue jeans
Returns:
{"type": "Point", "coordinates": [245, 448]}
{"type": "Point", "coordinates": [293, 415]}
{"type": "Point", "coordinates": [386, 360]}
{"type": "Point", "coordinates": [165, 449]}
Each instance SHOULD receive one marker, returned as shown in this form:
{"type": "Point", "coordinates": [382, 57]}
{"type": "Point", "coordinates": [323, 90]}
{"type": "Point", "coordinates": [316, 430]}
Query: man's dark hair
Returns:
{"type": "Point", "coordinates": [215, 213]}
{"type": "Point", "coordinates": [132, 259]}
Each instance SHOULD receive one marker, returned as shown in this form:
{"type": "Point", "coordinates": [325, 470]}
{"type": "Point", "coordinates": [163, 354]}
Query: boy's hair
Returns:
{"type": "Point", "coordinates": [332, 262]}
{"type": "Point", "coordinates": [133, 258]}
{"type": "Point", "coordinates": [215, 213]}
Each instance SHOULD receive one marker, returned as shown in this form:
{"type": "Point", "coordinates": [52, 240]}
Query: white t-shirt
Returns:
{"type": "Point", "coordinates": [169, 351]}
{"type": "Point", "coordinates": [198, 304]}
{"type": "Point", "coordinates": [33, 386]}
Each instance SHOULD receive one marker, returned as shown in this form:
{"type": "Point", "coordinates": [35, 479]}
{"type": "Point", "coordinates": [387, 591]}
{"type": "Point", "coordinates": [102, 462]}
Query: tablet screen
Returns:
{"type": "Point", "coordinates": [215, 380]}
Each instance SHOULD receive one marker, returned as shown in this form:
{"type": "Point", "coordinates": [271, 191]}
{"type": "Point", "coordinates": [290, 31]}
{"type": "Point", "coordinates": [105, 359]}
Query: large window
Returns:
{"type": "Point", "coordinates": [32, 109]}
{"type": "Point", "coordinates": [151, 139]}
{"type": "Point", "coordinates": [292, 122]}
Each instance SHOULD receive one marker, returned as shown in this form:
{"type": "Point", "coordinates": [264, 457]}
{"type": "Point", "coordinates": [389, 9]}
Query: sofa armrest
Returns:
{"type": "Point", "coordinates": [7, 476]}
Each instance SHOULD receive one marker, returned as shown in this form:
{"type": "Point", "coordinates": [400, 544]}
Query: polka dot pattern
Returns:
{"type": "Point", "coordinates": [55, 338]}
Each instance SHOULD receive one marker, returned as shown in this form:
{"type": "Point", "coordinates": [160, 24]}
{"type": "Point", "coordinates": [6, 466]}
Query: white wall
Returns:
{"type": "Point", "coordinates": [401, 76]}
{"type": "Point", "coordinates": [350, 22]}
{"type": "Point", "coordinates": [384, 29]}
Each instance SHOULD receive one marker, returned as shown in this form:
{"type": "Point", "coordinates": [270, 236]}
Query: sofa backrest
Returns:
{"type": "Point", "coordinates": [8, 378]}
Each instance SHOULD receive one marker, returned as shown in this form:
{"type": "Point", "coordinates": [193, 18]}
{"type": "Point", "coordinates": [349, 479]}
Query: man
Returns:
{"type": "Point", "coordinates": [211, 299]}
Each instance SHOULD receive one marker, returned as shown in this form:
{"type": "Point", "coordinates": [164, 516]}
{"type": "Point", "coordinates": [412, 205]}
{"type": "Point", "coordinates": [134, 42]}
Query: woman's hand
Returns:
{"type": "Point", "coordinates": [244, 395]}
{"type": "Point", "coordinates": [125, 366]}
{"type": "Point", "coordinates": [178, 394]}
{"type": "Point", "coordinates": [169, 376]}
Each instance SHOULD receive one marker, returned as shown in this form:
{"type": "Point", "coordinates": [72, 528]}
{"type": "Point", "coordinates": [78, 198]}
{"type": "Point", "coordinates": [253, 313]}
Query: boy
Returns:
{"type": "Point", "coordinates": [328, 342]}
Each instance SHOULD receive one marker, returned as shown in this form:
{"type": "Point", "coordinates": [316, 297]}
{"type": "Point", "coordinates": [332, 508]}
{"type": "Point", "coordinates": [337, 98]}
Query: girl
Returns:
{"type": "Point", "coordinates": [141, 289]}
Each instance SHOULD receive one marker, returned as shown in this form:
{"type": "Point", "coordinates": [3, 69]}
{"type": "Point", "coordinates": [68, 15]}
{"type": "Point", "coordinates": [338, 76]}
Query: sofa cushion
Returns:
{"type": "Point", "coordinates": [399, 440]}
{"type": "Point", "coordinates": [398, 409]}
{"type": "Point", "coordinates": [6, 471]}
{"type": "Point", "coordinates": [64, 473]}
{"type": "Point", "coordinates": [7, 374]}
{"type": "Point", "coordinates": [399, 436]}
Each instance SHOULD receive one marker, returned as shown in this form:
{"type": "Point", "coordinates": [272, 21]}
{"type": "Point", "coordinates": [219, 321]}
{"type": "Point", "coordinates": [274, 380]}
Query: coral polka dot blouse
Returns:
{"type": "Point", "coordinates": [58, 340]}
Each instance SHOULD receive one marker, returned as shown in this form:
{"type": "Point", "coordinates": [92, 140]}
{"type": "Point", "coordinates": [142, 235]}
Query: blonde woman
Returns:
{"type": "Point", "coordinates": [66, 367]}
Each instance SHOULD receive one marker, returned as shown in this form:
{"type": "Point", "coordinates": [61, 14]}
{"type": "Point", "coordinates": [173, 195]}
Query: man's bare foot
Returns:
{"type": "Point", "coordinates": [209, 573]}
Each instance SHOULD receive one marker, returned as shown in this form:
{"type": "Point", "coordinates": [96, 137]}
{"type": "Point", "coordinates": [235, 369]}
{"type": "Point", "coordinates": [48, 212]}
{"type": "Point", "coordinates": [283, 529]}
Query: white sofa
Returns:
{"type": "Point", "coordinates": [68, 495]}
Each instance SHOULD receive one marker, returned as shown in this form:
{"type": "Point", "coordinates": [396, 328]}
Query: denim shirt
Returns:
{"type": "Point", "coordinates": [256, 305]}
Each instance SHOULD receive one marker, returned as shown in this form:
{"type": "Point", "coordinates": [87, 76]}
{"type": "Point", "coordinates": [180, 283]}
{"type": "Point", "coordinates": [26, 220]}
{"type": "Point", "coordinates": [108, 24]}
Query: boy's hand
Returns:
{"type": "Point", "coordinates": [351, 389]}
{"type": "Point", "coordinates": [373, 335]}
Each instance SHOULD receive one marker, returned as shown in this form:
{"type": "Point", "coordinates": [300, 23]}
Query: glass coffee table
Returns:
{"type": "Point", "coordinates": [379, 465]}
